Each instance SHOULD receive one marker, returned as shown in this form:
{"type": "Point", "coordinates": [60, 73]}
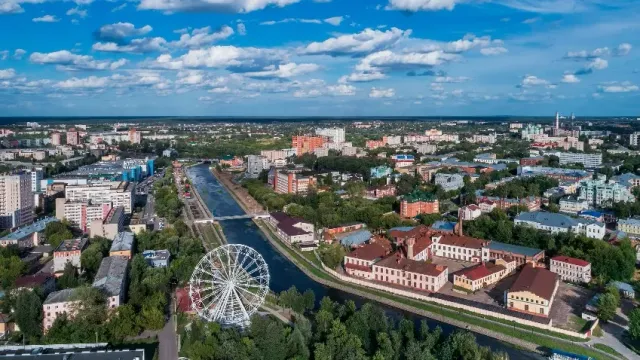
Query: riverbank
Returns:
{"type": "Point", "coordinates": [522, 337]}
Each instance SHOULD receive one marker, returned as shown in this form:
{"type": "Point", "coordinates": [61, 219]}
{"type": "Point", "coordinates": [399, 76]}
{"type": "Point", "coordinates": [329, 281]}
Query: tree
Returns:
{"type": "Point", "coordinates": [123, 323]}
{"type": "Point", "coordinates": [10, 269]}
{"type": "Point", "coordinates": [634, 324]}
{"type": "Point", "coordinates": [92, 256]}
{"type": "Point", "coordinates": [69, 278]}
{"type": "Point", "coordinates": [28, 314]}
{"type": "Point", "coordinates": [607, 306]}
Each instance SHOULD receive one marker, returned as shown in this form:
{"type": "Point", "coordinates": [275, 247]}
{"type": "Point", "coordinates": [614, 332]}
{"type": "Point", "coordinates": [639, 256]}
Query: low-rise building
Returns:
{"type": "Point", "coordinates": [469, 212]}
{"type": "Point", "coordinates": [111, 280]}
{"type": "Point", "coordinates": [520, 254]}
{"type": "Point", "coordinates": [449, 182]}
{"type": "Point", "coordinates": [157, 258]}
{"type": "Point", "coordinates": [380, 172]}
{"type": "Point", "coordinates": [532, 203]}
{"type": "Point", "coordinates": [58, 303]}
{"type": "Point", "coordinates": [45, 282]}
{"type": "Point", "coordinates": [27, 236]}
{"type": "Point", "coordinates": [555, 223]}
{"type": "Point", "coordinates": [359, 262]}
{"type": "Point", "coordinates": [572, 205]}
{"type": "Point", "coordinates": [630, 226]}
{"type": "Point", "coordinates": [474, 278]}
{"type": "Point", "coordinates": [416, 275]}
{"type": "Point", "coordinates": [292, 230]}
{"type": "Point", "coordinates": [457, 247]}
{"type": "Point", "coordinates": [122, 245]}
{"type": "Point", "coordinates": [69, 251]}
{"type": "Point", "coordinates": [381, 191]}
{"type": "Point", "coordinates": [403, 160]}
{"type": "Point", "coordinates": [533, 291]}
{"type": "Point", "coordinates": [571, 269]}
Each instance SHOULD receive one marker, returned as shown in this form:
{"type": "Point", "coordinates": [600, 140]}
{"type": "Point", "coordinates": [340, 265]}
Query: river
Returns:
{"type": "Point", "coordinates": [285, 274]}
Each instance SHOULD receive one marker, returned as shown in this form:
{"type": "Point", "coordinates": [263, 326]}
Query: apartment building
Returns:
{"type": "Point", "coordinates": [73, 137]}
{"type": "Point", "coordinates": [532, 203]}
{"type": "Point", "coordinates": [36, 177]}
{"type": "Point", "coordinates": [110, 226]}
{"type": "Point", "coordinates": [288, 182]}
{"type": "Point", "coordinates": [555, 173]}
{"type": "Point", "coordinates": [488, 138]}
{"type": "Point", "coordinates": [628, 180]}
{"type": "Point", "coordinates": [572, 205]}
{"type": "Point", "coordinates": [81, 213]}
{"type": "Point", "coordinates": [55, 139]}
{"type": "Point", "coordinates": [58, 303]}
{"type": "Point", "coordinates": [449, 182]}
{"type": "Point", "coordinates": [469, 212]}
{"type": "Point", "coordinates": [633, 138]}
{"type": "Point", "coordinates": [117, 193]}
{"type": "Point", "coordinates": [135, 137]}
{"type": "Point", "coordinates": [630, 226]}
{"type": "Point", "coordinates": [335, 135]}
{"type": "Point", "coordinates": [69, 251]}
{"type": "Point", "coordinates": [273, 155]}
{"type": "Point", "coordinates": [533, 291]}
{"type": "Point", "coordinates": [381, 191]}
{"type": "Point", "coordinates": [474, 278]}
{"type": "Point", "coordinates": [306, 144]}
{"type": "Point", "coordinates": [418, 203]}
{"type": "Point", "coordinates": [16, 200]}
{"type": "Point", "coordinates": [571, 269]}
{"type": "Point", "coordinates": [555, 223]}
{"type": "Point", "coordinates": [111, 279]}
{"type": "Point", "coordinates": [255, 165]}
{"type": "Point", "coordinates": [590, 161]}
{"type": "Point", "coordinates": [426, 148]}
{"type": "Point", "coordinates": [600, 192]}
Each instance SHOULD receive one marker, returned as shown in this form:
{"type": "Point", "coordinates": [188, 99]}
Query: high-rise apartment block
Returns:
{"type": "Point", "coordinates": [335, 135]}
{"type": "Point", "coordinates": [306, 144]}
{"type": "Point", "coordinates": [600, 192]}
{"type": "Point", "coordinates": [81, 213]}
{"type": "Point", "coordinates": [290, 182]}
{"type": "Point", "coordinates": [55, 139]}
{"type": "Point", "coordinates": [73, 137]}
{"type": "Point", "coordinates": [36, 177]}
{"type": "Point", "coordinates": [134, 136]}
{"type": "Point", "coordinates": [255, 165]}
{"type": "Point", "coordinates": [116, 193]}
{"type": "Point", "coordinates": [16, 200]}
{"type": "Point", "coordinates": [633, 138]}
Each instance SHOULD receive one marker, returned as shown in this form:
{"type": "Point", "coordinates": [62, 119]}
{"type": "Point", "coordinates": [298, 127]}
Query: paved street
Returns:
{"type": "Point", "coordinates": [168, 340]}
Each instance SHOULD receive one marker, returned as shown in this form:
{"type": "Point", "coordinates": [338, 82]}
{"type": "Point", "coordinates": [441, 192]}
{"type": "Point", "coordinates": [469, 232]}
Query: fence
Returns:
{"type": "Point", "coordinates": [455, 305]}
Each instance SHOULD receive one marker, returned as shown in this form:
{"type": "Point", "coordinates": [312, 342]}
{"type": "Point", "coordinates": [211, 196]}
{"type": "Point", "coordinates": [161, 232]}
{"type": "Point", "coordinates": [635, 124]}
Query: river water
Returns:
{"type": "Point", "coordinates": [285, 274]}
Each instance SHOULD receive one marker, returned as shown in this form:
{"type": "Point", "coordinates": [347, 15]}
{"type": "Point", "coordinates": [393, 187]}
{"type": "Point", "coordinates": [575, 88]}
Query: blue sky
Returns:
{"type": "Point", "coordinates": [319, 57]}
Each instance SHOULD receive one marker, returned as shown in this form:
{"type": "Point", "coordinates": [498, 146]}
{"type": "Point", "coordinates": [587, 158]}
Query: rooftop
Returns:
{"type": "Point", "coordinates": [629, 221]}
{"type": "Point", "coordinates": [553, 219]}
{"type": "Point", "coordinates": [286, 223]}
{"type": "Point", "coordinates": [480, 271]}
{"type": "Point", "coordinates": [356, 238]}
{"type": "Point", "coordinates": [111, 275]}
{"type": "Point", "coordinates": [32, 281]}
{"type": "Point", "coordinates": [623, 286]}
{"type": "Point", "coordinates": [418, 195]}
{"type": "Point", "coordinates": [570, 260]}
{"type": "Point", "coordinates": [462, 241]}
{"type": "Point", "coordinates": [60, 296]}
{"type": "Point", "coordinates": [72, 245]}
{"type": "Point", "coordinates": [25, 231]}
{"type": "Point", "coordinates": [122, 242]}
{"type": "Point", "coordinates": [114, 216]}
{"type": "Point", "coordinates": [514, 249]}
{"type": "Point", "coordinates": [447, 226]}
{"type": "Point", "coordinates": [369, 252]}
{"type": "Point", "coordinates": [156, 254]}
{"type": "Point", "coordinates": [536, 280]}
{"type": "Point", "coordinates": [396, 261]}
{"type": "Point", "coordinates": [99, 351]}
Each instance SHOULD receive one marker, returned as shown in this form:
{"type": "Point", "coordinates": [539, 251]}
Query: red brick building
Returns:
{"type": "Point", "coordinates": [306, 144]}
{"type": "Point", "coordinates": [418, 203]}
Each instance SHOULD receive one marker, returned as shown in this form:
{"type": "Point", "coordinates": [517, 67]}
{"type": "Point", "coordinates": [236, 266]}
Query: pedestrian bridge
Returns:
{"type": "Point", "coordinates": [232, 217]}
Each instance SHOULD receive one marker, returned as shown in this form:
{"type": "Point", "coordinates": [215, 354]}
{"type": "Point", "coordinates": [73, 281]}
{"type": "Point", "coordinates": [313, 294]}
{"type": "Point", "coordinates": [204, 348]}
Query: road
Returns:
{"type": "Point", "coordinates": [168, 340]}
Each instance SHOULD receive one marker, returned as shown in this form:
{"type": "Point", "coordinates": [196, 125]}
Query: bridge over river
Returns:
{"type": "Point", "coordinates": [232, 217]}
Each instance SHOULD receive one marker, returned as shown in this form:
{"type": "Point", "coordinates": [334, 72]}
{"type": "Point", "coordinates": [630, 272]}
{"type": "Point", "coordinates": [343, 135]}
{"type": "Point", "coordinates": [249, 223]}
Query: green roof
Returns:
{"type": "Point", "coordinates": [417, 195]}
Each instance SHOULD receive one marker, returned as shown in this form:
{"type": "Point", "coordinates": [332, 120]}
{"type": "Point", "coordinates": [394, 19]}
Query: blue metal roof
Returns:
{"type": "Point", "coordinates": [356, 238]}
{"type": "Point", "coordinates": [444, 225]}
{"type": "Point", "coordinates": [402, 228]}
{"type": "Point", "coordinates": [37, 226]}
{"type": "Point", "coordinates": [623, 286]}
{"type": "Point", "coordinates": [515, 249]}
{"type": "Point", "coordinates": [594, 213]}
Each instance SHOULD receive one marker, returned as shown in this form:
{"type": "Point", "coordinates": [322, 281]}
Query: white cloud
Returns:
{"type": "Point", "coordinates": [570, 79]}
{"type": "Point", "coordinates": [623, 49]}
{"type": "Point", "coordinates": [46, 19]}
{"type": "Point", "coordinates": [364, 42]}
{"type": "Point", "coordinates": [223, 6]}
{"type": "Point", "coordinates": [10, 7]}
{"type": "Point", "coordinates": [309, 93]}
{"type": "Point", "coordinates": [382, 93]}
{"type": "Point", "coordinates": [451, 80]}
{"type": "Point", "coordinates": [595, 64]}
{"type": "Point", "coordinates": [469, 42]}
{"type": "Point", "coordinates": [555, 6]}
{"type": "Point", "coordinates": [122, 30]}
{"type": "Point", "coordinates": [615, 87]}
{"type": "Point", "coordinates": [491, 51]}
{"type": "Point", "coordinates": [4, 54]}
{"type": "Point", "coordinates": [19, 53]}
{"type": "Point", "coordinates": [362, 77]}
{"type": "Point", "coordinates": [531, 20]}
{"type": "Point", "coordinates": [341, 90]}
{"type": "Point", "coordinates": [422, 5]}
{"type": "Point", "coordinates": [66, 60]}
{"type": "Point", "coordinates": [583, 54]}
{"type": "Point", "coordinates": [335, 21]}
{"type": "Point", "coordinates": [220, 90]}
{"type": "Point", "coordinates": [530, 80]}
{"type": "Point", "coordinates": [135, 46]}
{"type": "Point", "coordinates": [119, 7]}
{"type": "Point", "coordinates": [202, 37]}
{"type": "Point", "coordinates": [7, 74]}
{"type": "Point", "coordinates": [77, 11]}
{"type": "Point", "coordinates": [220, 57]}
{"type": "Point", "coordinates": [91, 82]}
{"type": "Point", "coordinates": [283, 71]}
{"type": "Point", "coordinates": [242, 29]}
{"type": "Point", "coordinates": [387, 59]}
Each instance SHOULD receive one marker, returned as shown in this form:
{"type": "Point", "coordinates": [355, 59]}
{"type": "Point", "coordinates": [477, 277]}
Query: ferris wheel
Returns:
{"type": "Point", "coordinates": [229, 284]}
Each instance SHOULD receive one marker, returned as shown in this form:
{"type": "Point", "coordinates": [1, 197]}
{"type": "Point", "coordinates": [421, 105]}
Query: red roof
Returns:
{"type": "Point", "coordinates": [539, 281]}
{"type": "Point", "coordinates": [480, 271]}
{"type": "Point", "coordinates": [397, 261]}
{"type": "Point", "coordinates": [486, 201]}
{"type": "Point", "coordinates": [369, 252]}
{"type": "Point", "coordinates": [183, 300]}
{"type": "Point", "coordinates": [473, 207]}
{"type": "Point", "coordinates": [570, 260]}
{"type": "Point", "coordinates": [32, 281]}
{"type": "Point", "coordinates": [415, 232]}
{"type": "Point", "coordinates": [462, 241]}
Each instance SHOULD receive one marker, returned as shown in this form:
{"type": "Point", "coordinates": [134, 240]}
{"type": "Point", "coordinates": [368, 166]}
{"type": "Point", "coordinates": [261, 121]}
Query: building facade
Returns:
{"type": "Point", "coordinates": [335, 135]}
{"type": "Point", "coordinates": [600, 192]}
{"type": "Point", "coordinates": [630, 226]}
{"type": "Point", "coordinates": [16, 200]}
{"type": "Point", "coordinates": [418, 203]}
{"type": "Point", "coordinates": [58, 303]}
{"type": "Point", "coordinates": [474, 278]}
{"type": "Point", "coordinates": [69, 251]}
{"type": "Point", "coordinates": [533, 291]}
{"type": "Point", "coordinates": [555, 223]}
{"type": "Point", "coordinates": [449, 182]}
{"type": "Point", "coordinates": [306, 144]}
{"type": "Point", "coordinates": [117, 193]}
{"type": "Point", "coordinates": [571, 269]}
{"type": "Point", "coordinates": [255, 165]}
{"type": "Point", "coordinates": [292, 230]}
{"type": "Point", "coordinates": [572, 205]}
{"type": "Point", "coordinates": [80, 214]}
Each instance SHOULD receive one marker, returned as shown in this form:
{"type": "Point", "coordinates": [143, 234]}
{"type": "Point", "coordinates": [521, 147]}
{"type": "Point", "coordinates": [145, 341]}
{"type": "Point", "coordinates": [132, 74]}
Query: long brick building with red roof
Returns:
{"type": "Point", "coordinates": [571, 269]}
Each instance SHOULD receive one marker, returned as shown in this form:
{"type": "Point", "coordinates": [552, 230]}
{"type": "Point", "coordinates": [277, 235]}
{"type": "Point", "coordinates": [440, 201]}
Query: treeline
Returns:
{"type": "Point", "coordinates": [235, 146]}
{"type": "Point", "coordinates": [350, 164]}
{"type": "Point", "coordinates": [522, 187]}
{"type": "Point", "coordinates": [334, 332]}
{"type": "Point", "coordinates": [167, 199]}
{"type": "Point", "coordinates": [328, 209]}
{"type": "Point", "coordinates": [608, 262]}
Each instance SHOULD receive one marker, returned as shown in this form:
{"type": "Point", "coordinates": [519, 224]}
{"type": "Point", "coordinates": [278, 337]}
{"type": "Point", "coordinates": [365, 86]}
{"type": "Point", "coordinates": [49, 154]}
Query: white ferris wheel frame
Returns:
{"type": "Point", "coordinates": [229, 284]}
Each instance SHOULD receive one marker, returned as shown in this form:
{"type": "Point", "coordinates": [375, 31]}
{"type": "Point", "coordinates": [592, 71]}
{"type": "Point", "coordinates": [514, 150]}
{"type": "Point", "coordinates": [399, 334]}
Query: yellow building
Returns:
{"type": "Point", "coordinates": [630, 226]}
{"type": "Point", "coordinates": [477, 277]}
{"type": "Point", "coordinates": [533, 291]}
{"type": "Point", "coordinates": [136, 226]}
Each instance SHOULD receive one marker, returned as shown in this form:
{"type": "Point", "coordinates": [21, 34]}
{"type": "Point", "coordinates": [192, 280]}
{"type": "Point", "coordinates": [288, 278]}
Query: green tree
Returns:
{"type": "Point", "coordinates": [123, 323]}
{"type": "Point", "coordinates": [634, 324]}
{"type": "Point", "coordinates": [607, 306]}
{"type": "Point", "coordinates": [69, 278]}
{"type": "Point", "coordinates": [28, 314]}
{"type": "Point", "coordinates": [10, 269]}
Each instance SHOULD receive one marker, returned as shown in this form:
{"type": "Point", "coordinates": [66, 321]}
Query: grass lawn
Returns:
{"type": "Point", "coordinates": [607, 349]}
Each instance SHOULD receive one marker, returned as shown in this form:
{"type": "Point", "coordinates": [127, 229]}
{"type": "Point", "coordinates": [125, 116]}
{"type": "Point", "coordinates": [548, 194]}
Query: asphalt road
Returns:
{"type": "Point", "coordinates": [168, 340]}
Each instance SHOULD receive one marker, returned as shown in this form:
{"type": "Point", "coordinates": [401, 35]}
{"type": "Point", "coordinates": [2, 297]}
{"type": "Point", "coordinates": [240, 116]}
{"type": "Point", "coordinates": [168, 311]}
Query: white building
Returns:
{"type": "Point", "coordinates": [426, 148]}
{"type": "Point", "coordinates": [36, 177]}
{"type": "Point", "coordinates": [16, 200]}
{"type": "Point", "coordinates": [573, 206]}
{"type": "Point", "coordinates": [69, 251]}
{"type": "Point", "coordinates": [117, 193]}
{"type": "Point", "coordinates": [600, 192]}
{"type": "Point", "coordinates": [335, 135]}
{"type": "Point", "coordinates": [255, 165]}
{"type": "Point", "coordinates": [478, 138]}
{"type": "Point", "coordinates": [58, 303]}
{"type": "Point", "coordinates": [571, 269]}
{"type": "Point", "coordinates": [589, 161]}
{"type": "Point", "coordinates": [469, 212]}
{"type": "Point", "coordinates": [292, 230]}
{"type": "Point", "coordinates": [555, 223]}
{"type": "Point", "coordinates": [633, 138]}
{"type": "Point", "coordinates": [449, 182]}
{"type": "Point", "coordinates": [81, 213]}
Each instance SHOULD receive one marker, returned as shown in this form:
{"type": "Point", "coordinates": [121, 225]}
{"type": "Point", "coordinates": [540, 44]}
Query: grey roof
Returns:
{"type": "Point", "coordinates": [629, 221]}
{"type": "Point", "coordinates": [72, 245]}
{"type": "Point", "coordinates": [111, 275]}
{"type": "Point", "coordinates": [156, 254]}
{"type": "Point", "coordinates": [356, 238]}
{"type": "Point", "coordinates": [60, 296]}
{"type": "Point", "coordinates": [515, 249]}
{"type": "Point", "coordinates": [625, 178]}
{"type": "Point", "coordinates": [37, 226]}
{"type": "Point", "coordinates": [552, 219]}
{"type": "Point", "coordinates": [71, 351]}
{"type": "Point", "coordinates": [623, 286]}
{"type": "Point", "coordinates": [122, 242]}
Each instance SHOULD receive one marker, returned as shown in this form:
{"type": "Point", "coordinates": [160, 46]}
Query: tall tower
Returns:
{"type": "Point", "coordinates": [557, 120]}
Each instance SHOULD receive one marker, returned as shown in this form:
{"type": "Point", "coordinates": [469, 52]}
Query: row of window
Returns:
{"type": "Point", "coordinates": [406, 283]}
{"type": "Point", "coordinates": [541, 302]}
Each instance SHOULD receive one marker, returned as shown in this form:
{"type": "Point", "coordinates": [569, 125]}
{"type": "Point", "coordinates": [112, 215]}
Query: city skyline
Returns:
{"type": "Point", "coordinates": [318, 58]}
